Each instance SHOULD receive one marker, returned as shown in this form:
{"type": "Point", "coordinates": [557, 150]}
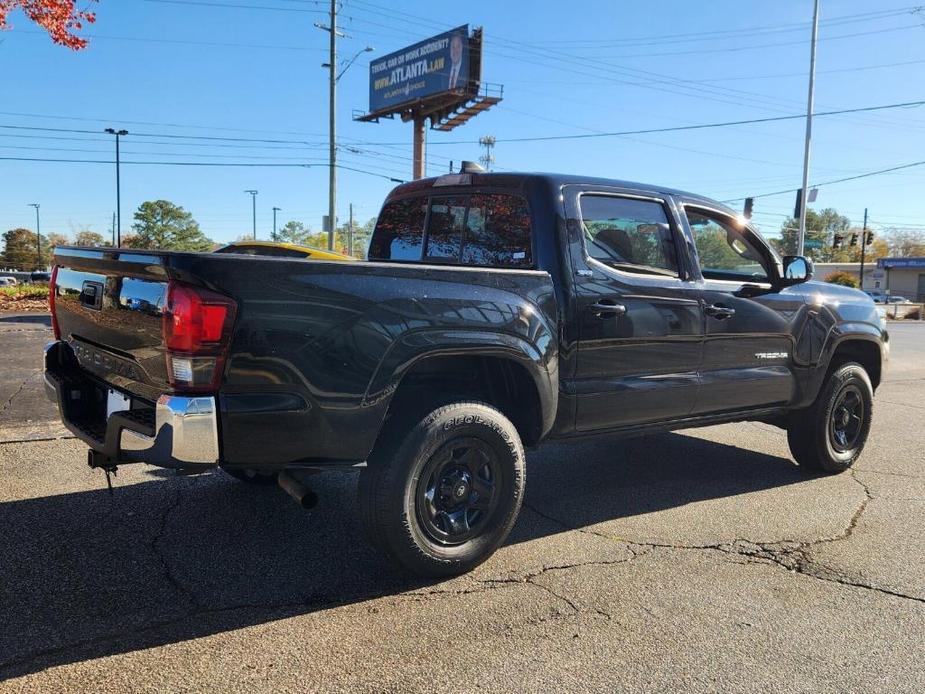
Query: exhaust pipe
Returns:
{"type": "Point", "coordinates": [304, 496]}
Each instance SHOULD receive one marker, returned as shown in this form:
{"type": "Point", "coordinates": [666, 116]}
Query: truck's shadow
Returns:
{"type": "Point", "coordinates": [84, 575]}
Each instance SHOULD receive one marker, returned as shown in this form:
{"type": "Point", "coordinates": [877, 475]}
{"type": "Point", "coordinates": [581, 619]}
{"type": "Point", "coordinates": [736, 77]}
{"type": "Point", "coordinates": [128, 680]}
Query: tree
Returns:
{"type": "Point", "coordinates": [19, 250]}
{"type": "Point", "coordinates": [845, 279]}
{"type": "Point", "coordinates": [161, 224]}
{"type": "Point", "coordinates": [89, 238]}
{"type": "Point", "coordinates": [361, 236]}
{"type": "Point", "coordinates": [293, 232]}
{"type": "Point", "coordinates": [53, 240]}
{"type": "Point", "coordinates": [906, 243]}
{"type": "Point", "coordinates": [820, 227]}
{"type": "Point", "coordinates": [60, 18]}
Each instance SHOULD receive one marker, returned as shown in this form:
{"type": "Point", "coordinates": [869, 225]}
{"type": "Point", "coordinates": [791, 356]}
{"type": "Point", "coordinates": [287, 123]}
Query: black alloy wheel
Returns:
{"type": "Point", "coordinates": [846, 419]}
{"type": "Point", "coordinates": [458, 491]}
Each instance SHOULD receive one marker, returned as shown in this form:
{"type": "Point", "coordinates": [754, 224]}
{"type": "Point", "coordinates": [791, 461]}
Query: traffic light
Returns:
{"type": "Point", "coordinates": [837, 240]}
{"type": "Point", "coordinates": [854, 240]}
{"type": "Point", "coordinates": [868, 238]}
{"type": "Point", "coordinates": [747, 211]}
{"type": "Point", "coordinates": [798, 204]}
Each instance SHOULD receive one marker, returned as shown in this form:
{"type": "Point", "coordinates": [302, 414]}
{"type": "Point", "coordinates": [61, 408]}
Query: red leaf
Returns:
{"type": "Point", "coordinates": [60, 18]}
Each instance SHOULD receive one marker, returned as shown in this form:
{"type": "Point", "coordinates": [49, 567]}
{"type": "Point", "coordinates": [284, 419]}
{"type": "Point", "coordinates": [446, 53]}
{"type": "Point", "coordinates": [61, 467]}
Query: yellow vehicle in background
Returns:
{"type": "Point", "coordinates": [281, 250]}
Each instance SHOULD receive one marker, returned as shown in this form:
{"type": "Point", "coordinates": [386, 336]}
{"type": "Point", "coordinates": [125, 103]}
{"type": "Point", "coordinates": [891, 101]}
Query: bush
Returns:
{"type": "Point", "coordinates": [845, 279]}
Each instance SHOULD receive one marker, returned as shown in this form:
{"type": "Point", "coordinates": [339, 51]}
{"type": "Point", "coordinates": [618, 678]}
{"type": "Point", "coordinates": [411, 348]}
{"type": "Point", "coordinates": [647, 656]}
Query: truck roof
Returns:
{"type": "Point", "coordinates": [516, 179]}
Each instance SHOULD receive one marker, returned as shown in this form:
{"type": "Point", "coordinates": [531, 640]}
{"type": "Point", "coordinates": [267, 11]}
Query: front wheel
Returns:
{"type": "Point", "coordinates": [440, 495]}
{"type": "Point", "coordinates": [830, 434]}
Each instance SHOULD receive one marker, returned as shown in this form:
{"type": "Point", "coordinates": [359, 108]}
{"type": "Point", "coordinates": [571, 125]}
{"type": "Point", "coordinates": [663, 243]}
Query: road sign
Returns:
{"type": "Point", "coordinates": [812, 243]}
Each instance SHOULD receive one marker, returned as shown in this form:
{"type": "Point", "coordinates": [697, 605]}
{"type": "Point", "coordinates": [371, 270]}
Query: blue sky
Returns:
{"type": "Point", "coordinates": [175, 67]}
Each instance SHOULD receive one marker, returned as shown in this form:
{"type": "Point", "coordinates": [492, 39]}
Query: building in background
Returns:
{"type": "Point", "coordinates": [887, 276]}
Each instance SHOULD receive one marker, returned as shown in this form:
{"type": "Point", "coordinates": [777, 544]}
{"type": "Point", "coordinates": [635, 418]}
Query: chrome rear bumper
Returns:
{"type": "Point", "coordinates": [181, 432]}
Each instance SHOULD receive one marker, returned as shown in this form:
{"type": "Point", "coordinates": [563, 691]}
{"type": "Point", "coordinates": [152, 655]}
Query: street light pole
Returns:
{"type": "Point", "coordinates": [809, 127]}
{"type": "Point", "coordinates": [253, 194]}
{"type": "Point", "coordinates": [38, 236]}
{"type": "Point", "coordinates": [118, 134]}
{"type": "Point", "coordinates": [275, 210]}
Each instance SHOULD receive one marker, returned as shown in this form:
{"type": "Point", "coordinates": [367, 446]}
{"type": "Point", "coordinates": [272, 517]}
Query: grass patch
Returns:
{"type": "Point", "coordinates": [24, 291]}
{"type": "Point", "coordinates": [24, 297]}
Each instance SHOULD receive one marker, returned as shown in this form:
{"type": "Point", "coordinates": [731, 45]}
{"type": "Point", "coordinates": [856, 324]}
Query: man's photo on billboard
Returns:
{"type": "Point", "coordinates": [456, 58]}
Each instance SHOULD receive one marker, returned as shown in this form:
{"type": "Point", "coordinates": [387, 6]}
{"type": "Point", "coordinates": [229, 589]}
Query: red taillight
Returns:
{"type": "Point", "coordinates": [197, 328]}
{"type": "Point", "coordinates": [52, 290]}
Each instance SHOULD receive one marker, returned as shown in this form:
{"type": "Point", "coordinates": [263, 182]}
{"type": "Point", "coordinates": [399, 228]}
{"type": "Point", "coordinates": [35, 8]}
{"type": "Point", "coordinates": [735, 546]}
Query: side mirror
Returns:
{"type": "Point", "coordinates": [797, 269]}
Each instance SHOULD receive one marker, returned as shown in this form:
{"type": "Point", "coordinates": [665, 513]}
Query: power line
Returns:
{"type": "Point", "coordinates": [837, 180]}
{"type": "Point", "coordinates": [538, 138]}
{"type": "Point", "coordinates": [181, 42]}
{"type": "Point", "coordinates": [198, 163]}
{"type": "Point", "coordinates": [758, 46]}
{"type": "Point", "coordinates": [236, 6]}
{"type": "Point", "coordinates": [700, 126]}
{"type": "Point", "coordinates": [650, 79]}
{"type": "Point", "coordinates": [735, 33]}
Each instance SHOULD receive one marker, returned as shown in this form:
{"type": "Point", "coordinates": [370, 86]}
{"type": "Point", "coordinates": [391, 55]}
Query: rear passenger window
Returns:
{"type": "Point", "coordinates": [487, 229]}
{"type": "Point", "coordinates": [445, 227]}
{"type": "Point", "coordinates": [400, 230]}
{"type": "Point", "coordinates": [628, 234]}
{"type": "Point", "coordinates": [498, 232]}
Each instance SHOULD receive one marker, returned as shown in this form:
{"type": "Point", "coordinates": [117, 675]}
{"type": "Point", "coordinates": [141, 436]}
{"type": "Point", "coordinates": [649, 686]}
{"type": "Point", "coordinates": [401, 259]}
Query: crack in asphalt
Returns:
{"type": "Point", "coordinates": [154, 547]}
{"type": "Point", "coordinates": [791, 555]}
{"type": "Point", "coordinates": [22, 387]}
{"type": "Point", "coordinates": [38, 439]}
{"type": "Point", "coordinates": [787, 554]}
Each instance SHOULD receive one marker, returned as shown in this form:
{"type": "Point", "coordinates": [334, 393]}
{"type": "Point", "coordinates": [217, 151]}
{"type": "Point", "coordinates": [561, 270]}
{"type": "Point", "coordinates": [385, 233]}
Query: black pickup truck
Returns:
{"type": "Point", "coordinates": [495, 311]}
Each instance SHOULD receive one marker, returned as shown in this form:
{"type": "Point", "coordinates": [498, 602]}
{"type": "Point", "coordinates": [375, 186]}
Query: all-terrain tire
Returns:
{"type": "Point", "coordinates": [440, 494]}
{"type": "Point", "coordinates": [830, 434]}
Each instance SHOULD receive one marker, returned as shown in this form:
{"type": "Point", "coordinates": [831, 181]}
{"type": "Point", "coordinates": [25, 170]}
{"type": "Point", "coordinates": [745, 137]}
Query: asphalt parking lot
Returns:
{"type": "Point", "coordinates": [703, 560]}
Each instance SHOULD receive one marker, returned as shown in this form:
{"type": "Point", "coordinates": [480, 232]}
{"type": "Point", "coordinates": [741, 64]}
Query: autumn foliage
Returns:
{"type": "Point", "coordinates": [60, 18]}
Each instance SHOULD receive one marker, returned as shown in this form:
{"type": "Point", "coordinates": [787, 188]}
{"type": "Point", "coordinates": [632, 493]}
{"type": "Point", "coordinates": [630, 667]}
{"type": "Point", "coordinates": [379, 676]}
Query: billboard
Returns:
{"type": "Point", "coordinates": [438, 65]}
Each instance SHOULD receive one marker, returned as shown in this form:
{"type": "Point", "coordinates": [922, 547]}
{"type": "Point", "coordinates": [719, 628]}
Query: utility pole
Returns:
{"type": "Point", "coordinates": [863, 247]}
{"type": "Point", "coordinates": [488, 142]}
{"type": "Point", "coordinates": [332, 120]}
{"type": "Point", "coordinates": [253, 194]}
{"type": "Point", "coordinates": [275, 210]}
{"type": "Point", "coordinates": [38, 236]}
{"type": "Point", "coordinates": [809, 126]}
{"type": "Point", "coordinates": [350, 233]}
{"type": "Point", "coordinates": [113, 229]}
{"type": "Point", "coordinates": [118, 134]}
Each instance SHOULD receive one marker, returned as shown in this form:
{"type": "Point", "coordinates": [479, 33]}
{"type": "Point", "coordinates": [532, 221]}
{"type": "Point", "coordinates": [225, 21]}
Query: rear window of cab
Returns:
{"type": "Point", "coordinates": [481, 229]}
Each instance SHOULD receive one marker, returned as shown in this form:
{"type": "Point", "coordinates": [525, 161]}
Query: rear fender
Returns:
{"type": "Point", "coordinates": [539, 358]}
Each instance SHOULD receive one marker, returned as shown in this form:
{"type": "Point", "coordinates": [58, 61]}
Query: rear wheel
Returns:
{"type": "Point", "coordinates": [830, 434]}
{"type": "Point", "coordinates": [440, 495]}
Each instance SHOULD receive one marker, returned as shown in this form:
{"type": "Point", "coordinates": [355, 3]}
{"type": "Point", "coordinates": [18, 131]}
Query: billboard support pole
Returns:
{"type": "Point", "coordinates": [420, 138]}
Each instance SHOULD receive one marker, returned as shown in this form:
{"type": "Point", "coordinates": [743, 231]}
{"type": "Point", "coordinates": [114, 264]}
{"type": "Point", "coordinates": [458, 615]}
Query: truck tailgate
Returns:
{"type": "Point", "coordinates": [109, 307]}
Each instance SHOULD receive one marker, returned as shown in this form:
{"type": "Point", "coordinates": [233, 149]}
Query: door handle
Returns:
{"type": "Point", "coordinates": [606, 308]}
{"type": "Point", "coordinates": [719, 312]}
